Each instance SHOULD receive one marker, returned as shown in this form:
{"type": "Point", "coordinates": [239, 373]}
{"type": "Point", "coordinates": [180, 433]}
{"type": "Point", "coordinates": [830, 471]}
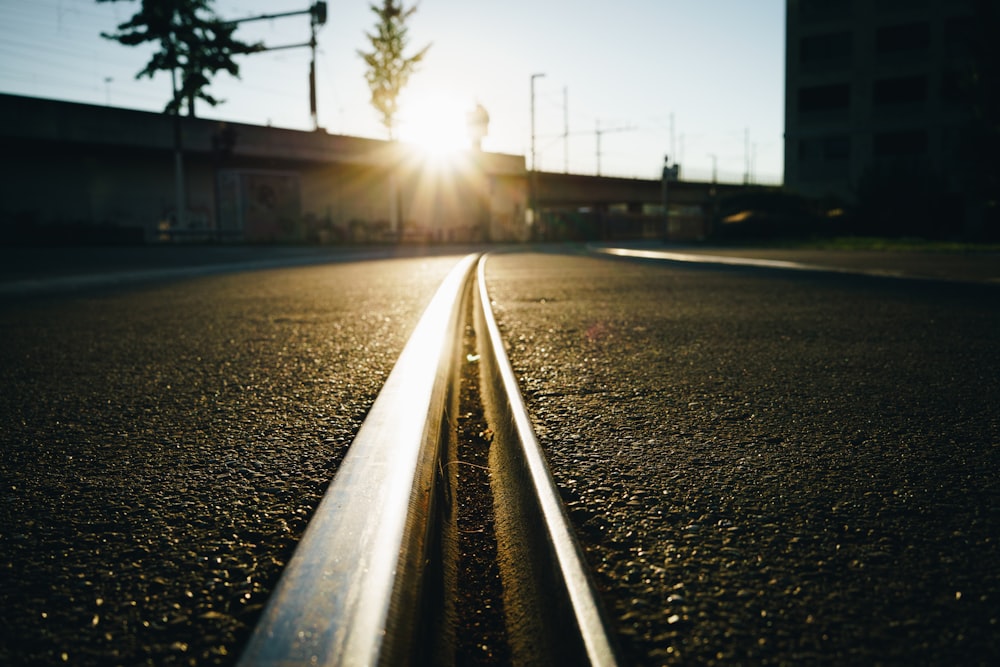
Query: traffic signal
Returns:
{"type": "Point", "coordinates": [318, 11]}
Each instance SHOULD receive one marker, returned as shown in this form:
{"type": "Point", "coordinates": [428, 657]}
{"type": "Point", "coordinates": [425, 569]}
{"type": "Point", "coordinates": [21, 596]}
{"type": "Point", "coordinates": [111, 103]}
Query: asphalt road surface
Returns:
{"type": "Point", "coordinates": [161, 450]}
{"type": "Point", "coordinates": [770, 467]}
{"type": "Point", "coordinates": [763, 466]}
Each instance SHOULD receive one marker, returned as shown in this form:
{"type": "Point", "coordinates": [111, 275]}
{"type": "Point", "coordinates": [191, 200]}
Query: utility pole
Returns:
{"type": "Point", "coordinates": [746, 156]}
{"type": "Point", "coordinates": [715, 161]}
{"type": "Point", "coordinates": [668, 176]}
{"type": "Point", "coordinates": [312, 67]}
{"type": "Point", "coordinates": [180, 199]}
{"type": "Point", "coordinates": [598, 131]}
{"type": "Point", "coordinates": [317, 13]}
{"type": "Point", "coordinates": [533, 179]}
{"type": "Point", "coordinates": [565, 130]}
{"type": "Point", "coordinates": [673, 143]}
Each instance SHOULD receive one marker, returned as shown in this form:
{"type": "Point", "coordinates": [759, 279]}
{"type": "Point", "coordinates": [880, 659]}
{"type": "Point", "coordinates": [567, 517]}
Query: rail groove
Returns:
{"type": "Point", "coordinates": [373, 579]}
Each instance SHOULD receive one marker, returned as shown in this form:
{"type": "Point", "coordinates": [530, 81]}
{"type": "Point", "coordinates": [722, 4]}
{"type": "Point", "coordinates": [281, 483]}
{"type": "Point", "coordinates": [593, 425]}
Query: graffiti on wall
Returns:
{"type": "Point", "coordinates": [263, 205]}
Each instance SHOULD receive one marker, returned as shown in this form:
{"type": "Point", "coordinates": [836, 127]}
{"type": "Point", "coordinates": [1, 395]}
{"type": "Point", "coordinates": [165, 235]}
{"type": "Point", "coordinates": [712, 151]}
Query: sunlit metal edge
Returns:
{"type": "Point", "coordinates": [333, 602]}
{"type": "Point", "coordinates": [586, 607]}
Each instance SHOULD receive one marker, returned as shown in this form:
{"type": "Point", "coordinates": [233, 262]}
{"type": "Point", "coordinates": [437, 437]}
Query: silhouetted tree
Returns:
{"type": "Point", "coordinates": [389, 69]}
{"type": "Point", "coordinates": [194, 42]}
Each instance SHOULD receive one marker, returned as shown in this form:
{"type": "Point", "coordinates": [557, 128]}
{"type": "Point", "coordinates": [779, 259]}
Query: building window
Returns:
{"type": "Point", "coordinates": [902, 90]}
{"type": "Point", "coordinates": [955, 86]}
{"type": "Point", "coordinates": [906, 37]}
{"type": "Point", "coordinates": [959, 33]}
{"type": "Point", "coordinates": [826, 49]}
{"type": "Point", "coordinates": [899, 5]}
{"type": "Point", "coordinates": [834, 97]}
{"type": "Point", "coordinates": [824, 10]}
{"type": "Point", "coordinates": [898, 144]}
{"type": "Point", "coordinates": [824, 158]}
{"type": "Point", "coordinates": [832, 148]}
{"type": "Point", "coordinates": [837, 147]}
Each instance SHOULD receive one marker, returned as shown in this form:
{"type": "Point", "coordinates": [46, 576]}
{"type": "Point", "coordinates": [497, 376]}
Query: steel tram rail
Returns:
{"type": "Point", "coordinates": [369, 583]}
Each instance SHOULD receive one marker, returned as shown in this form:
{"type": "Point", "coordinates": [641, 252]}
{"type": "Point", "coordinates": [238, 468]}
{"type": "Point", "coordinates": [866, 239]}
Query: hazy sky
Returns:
{"type": "Point", "coordinates": [716, 67]}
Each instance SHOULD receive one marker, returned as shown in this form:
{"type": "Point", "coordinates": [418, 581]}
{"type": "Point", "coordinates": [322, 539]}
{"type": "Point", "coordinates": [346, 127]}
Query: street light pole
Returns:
{"type": "Point", "coordinates": [312, 73]}
{"type": "Point", "coordinates": [533, 77]}
{"type": "Point", "coordinates": [597, 133]}
{"type": "Point", "coordinates": [533, 184]}
{"type": "Point", "coordinates": [180, 200]}
{"type": "Point", "coordinates": [317, 13]}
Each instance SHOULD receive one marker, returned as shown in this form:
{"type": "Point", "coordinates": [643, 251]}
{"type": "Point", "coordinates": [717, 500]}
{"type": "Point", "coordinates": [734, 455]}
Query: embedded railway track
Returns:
{"type": "Point", "coordinates": [438, 543]}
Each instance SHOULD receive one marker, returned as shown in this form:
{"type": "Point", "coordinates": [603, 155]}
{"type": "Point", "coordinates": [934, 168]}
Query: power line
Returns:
{"type": "Point", "coordinates": [599, 133]}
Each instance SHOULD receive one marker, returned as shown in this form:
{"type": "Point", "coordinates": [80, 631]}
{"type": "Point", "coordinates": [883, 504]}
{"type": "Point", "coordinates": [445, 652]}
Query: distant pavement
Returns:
{"type": "Point", "coordinates": [972, 266]}
{"type": "Point", "coordinates": [30, 271]}
{"type": "Point", "coordinates": [38, 270]}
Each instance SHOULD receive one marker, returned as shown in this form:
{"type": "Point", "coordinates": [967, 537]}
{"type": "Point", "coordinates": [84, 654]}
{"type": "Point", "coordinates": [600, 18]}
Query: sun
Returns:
{"type": "Point", "coordinates": [436, 124]}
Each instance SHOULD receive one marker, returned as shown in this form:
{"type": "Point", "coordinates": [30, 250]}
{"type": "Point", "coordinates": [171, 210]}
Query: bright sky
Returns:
{"type": "Point", "coordinates": [689, 78]}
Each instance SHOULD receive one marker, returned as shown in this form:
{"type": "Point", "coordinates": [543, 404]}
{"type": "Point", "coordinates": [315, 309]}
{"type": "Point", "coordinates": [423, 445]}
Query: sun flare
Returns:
{"type": "Point", "coordinates": [435, 124]}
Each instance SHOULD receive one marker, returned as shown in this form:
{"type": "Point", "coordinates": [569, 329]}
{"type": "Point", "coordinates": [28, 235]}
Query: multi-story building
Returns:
{"type": "Point", "coordinates": [875, 85]}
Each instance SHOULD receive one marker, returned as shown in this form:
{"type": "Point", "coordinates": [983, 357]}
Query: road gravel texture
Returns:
{"type": "Point", "coordinates": [769, 468]}
{"type": "Point", "coordinates": [161, 450]}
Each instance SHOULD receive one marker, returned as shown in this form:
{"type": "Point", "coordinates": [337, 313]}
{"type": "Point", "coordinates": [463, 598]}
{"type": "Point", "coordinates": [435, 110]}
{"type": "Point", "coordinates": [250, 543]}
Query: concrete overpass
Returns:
{"type": "Point", "coordinates": [82, 169]}
{"type": "Point", "coordinates": [579, 207]}
{"type": "Point", "coordinates": [601, 192]}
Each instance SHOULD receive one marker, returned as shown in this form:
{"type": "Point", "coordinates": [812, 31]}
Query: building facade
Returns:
{"type": "Point", "coordinates": [874, 88]}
